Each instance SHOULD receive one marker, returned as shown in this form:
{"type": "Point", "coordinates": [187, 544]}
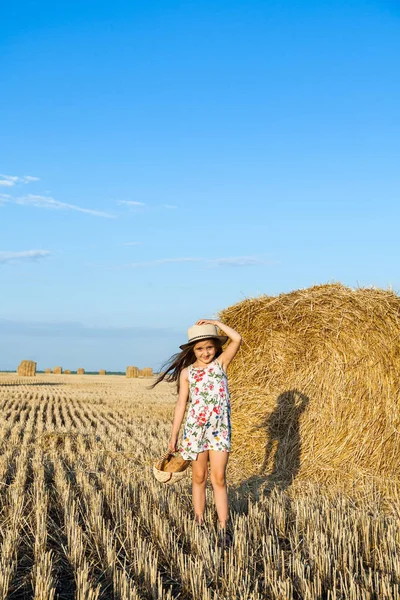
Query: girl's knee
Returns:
{"type": "Point", "coordinates": [199, 477]}
{"type": "Point", "coordinates": [218, 479]}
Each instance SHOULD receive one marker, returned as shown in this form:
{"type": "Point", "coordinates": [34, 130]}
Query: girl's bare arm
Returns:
{"type": "Point", "coordinates": [180, 408]}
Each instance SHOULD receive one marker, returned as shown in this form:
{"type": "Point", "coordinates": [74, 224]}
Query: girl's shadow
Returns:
{"type": "Point", "coordinates": [283, 446]}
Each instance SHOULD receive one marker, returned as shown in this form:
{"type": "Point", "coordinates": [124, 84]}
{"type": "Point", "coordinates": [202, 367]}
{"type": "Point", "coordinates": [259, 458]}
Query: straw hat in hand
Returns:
{"type": "Point", "coordinates": [170, 468]}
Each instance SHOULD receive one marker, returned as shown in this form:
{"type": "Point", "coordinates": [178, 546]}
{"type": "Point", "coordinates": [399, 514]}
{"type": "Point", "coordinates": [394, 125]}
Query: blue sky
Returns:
{"type": "Point", "coordinates": [161, 161]}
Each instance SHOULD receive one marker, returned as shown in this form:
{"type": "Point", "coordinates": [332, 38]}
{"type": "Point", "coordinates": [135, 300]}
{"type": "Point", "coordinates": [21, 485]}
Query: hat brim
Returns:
{"type": "Point", "coordinates": [222, 338]}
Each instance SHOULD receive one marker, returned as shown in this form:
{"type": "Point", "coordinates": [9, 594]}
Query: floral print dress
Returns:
{"type": "Point", "coordinates": [208, 423]}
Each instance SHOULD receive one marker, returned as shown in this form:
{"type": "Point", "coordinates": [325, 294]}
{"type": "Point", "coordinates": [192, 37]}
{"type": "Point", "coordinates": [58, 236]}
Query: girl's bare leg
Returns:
{"type": "Point", "coordinates": [218, 464]}
{"type": "Point", "coordinates": [199, 480]}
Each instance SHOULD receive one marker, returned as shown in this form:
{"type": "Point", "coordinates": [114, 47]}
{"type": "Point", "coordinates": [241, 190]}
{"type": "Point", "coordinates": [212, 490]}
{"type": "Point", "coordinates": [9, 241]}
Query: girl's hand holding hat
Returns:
{"type": "Point", "coordinates": [172, 445]}
{"type": "Point", "coordinates": [231, 333]}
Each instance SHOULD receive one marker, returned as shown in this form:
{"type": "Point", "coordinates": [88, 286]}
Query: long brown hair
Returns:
{"type": "Point", "coordinates": [171, 370]}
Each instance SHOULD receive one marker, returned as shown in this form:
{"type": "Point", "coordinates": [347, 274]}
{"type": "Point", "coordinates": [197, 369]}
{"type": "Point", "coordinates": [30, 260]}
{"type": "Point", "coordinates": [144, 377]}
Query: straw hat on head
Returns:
{"type": "Point", "coordinates": [170, 468]}
{"type": "Point", "coordinates": [203, 332]}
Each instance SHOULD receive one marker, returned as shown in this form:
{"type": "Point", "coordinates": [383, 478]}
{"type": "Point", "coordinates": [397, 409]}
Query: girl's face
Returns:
{"type": "Point", "coordinates": [204, 351]}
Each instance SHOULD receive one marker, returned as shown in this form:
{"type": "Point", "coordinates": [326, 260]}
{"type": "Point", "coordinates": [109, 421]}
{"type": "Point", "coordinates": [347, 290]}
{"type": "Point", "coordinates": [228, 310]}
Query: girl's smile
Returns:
{"type": "Point", "coordinates": [204, 352]}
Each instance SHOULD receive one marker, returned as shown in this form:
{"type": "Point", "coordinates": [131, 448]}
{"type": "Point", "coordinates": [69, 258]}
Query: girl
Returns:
{"type": "Point", "coordinates": [200, 372]}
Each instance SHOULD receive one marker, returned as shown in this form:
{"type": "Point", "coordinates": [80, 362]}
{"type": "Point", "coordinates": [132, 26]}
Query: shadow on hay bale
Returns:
{"type": "Point", "coordinates": [282, 429]}
{"type": "Point", "coordinates": [315, 386]}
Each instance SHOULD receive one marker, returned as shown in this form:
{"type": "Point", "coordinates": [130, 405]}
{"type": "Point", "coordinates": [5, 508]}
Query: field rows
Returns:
{"type": "Point", "coordinates": [82, 517]}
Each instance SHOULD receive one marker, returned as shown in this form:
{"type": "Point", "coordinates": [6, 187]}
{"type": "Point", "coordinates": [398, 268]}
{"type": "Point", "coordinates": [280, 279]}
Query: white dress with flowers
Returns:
{"type": "Point", "coordinates": [208, 423]}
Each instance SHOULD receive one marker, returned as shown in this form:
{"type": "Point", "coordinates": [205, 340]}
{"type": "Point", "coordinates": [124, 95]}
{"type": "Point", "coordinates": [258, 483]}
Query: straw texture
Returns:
{"type": "Point", "coordinates": [146, 372]}
{"type": "Point", "coordinates": [132, 372]}
{"type": "Point", "coordinates": [170, 468]}
{"type": "Point", "coordinates": [315, 386]}
{"type": "Point", "coordinates": [27, 368]}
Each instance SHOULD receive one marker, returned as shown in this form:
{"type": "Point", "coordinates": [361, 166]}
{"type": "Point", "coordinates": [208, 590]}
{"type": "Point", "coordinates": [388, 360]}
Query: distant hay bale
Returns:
{"type": "Point", "coordinates": [132, 372]}
{"type": "Point", "coordinates": [27, 368]}
{"type": "Point", "coordinates": [57, 370]}
{"type": "Point", "coordinates": [102, 372]}
{"type": "Point", "coordinates": [80, 372]}
{"type": "Point", "coordinates": [67, 372]}
{"type": "Point", "coordinates": [147, 372]}
{"type": "Point", "coordinates": [316, 385]}
{"type": "Point", "coordinates": [48, 371]}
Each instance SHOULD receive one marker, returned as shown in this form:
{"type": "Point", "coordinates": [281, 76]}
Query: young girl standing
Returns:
{"type": "Point", "coordinates": [200, 372]}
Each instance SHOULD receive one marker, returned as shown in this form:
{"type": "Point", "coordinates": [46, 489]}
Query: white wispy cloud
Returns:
{"type": "Point", "coordinates": [4, 198]}
{"type": "Point", "coordinates": [130, 203]}
{"type": "Point", "coordinates": [25, 255]}
{"type": "Point", "coordinates": [238, 261]}
{"type": "Point", "coordinates": [51, 203]}
{"type": "Point", "coordinates": [134, 204]}
{"type": "Point", "coordinates": [232, 261]}
{"type": "Point", "coordinates": [11, 180]}
{"type": "Point", "coordinates": [29, 179]}
{"type": "Point", "coordinates": [8, 181]}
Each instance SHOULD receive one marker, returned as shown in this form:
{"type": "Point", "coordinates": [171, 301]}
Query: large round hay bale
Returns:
{"type": "Point", "coordinates": [47, 371]}
{"type": "Point", "coordinates": [80, 371]}
{"type": "Point", "coordinates": [102, 372]}
{"type": "Point", "coordinates": [27, 368]}
{"type": "Point", "coordinates": [315, 385]}
{"type": "Point", "coordinates": [57, 370]}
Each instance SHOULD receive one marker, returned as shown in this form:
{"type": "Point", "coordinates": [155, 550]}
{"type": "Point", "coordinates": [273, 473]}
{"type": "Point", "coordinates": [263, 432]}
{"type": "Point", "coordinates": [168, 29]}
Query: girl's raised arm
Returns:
{"type": "Point", "coordinates": [235, 337]}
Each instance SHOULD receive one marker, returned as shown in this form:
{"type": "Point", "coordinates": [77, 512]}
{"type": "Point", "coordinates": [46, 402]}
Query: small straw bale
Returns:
{"type": "Point", "coordinates": [80, 372]}
{"type": "Point", "coordinates": [147, 372]}
{"type": "Point", "coordinates": [67, 372]}
{"type": "Point", "coordinates": [48, 371]}
{"type": "Point", "coordinates": [57, 370]}
{"type": "Point", "coordinates": [315, 387]}
{"type": "Point", "coordinates": [132, 372]}
{"type": "Point", "coordinates": [27, 368]}
{"type": "Point", "coordinates": [102, 372]}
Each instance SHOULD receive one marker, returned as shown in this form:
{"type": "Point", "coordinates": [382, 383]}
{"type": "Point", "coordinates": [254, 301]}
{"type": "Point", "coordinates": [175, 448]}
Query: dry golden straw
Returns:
{"type": "Point", "coordinates": [67, 372]}
{"type": "Point", "coordinates": [27, 368]}
{"type": "Point", "coordinates": [146, 372]}
{"type": "Point", "coordinates": [315, 386]}
{"type": "Point", "coordinates": [57, 370]}
{"type": "Point", "coordinates": [48, 371]}
{"type": "Point", "coordinates": [82, 514]}
{"type": "Point", "coordinates": [80, 372]}
{"type": "Point", "coordinates": [102, 372]}
{"type": "Point", "coordinates": [132, 372]}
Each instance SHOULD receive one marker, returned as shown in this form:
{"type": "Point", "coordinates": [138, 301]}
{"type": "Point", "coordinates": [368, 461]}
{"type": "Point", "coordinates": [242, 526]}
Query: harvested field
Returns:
{"type": "Point", "coordinates": [82, 517]}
